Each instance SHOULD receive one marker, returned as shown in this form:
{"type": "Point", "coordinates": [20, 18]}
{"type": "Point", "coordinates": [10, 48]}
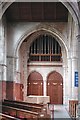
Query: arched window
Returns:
{"type": "Point", "coordinates": [45, 48]}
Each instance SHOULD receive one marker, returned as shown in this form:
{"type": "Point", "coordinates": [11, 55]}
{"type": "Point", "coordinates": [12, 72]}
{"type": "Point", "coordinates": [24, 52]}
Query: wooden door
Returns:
{"type": "Point", "coordinates": [35, 84]}
{"type": "Point", "coordinates": [55, 88]}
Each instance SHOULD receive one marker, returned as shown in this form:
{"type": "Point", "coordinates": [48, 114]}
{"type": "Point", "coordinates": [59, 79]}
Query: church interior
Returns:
{"type": "Point", "coordinates": [39, 59]}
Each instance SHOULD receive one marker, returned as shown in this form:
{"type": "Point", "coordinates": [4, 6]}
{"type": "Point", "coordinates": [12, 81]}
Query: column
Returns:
{"type": "Point", "coordinates": [65, 88]}
{"type": "Point", "coordinates": [25, 80]}
{"type": "Point", "coordinates": [10, 91]}
{"type": "Point", "coordinates": [74, 58]}
{"type": "Point", "coordinates": [74, 70]}
{"type": "Point", "coordinates": [26, 56]}
{"type": "Point", "coordinates": [44, 87]}
{"type": "Point", "coordinates": [3, 66]}
{"type": "Point", "coordinates": [78, 38]}
{"type": "Point", "coordinates": [69, 78]}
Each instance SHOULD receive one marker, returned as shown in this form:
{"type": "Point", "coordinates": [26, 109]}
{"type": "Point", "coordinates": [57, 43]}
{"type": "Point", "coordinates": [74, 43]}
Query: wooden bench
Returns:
{"type": "Point", "coordinates": [21, 102]}
{"type": "Point", "coordinates": [19, 113]}
{"type": "Point", "coordinates": [21, 110]}
{"type": "Point", "coordinates": [7, 117]}
{"type": "Point", "coordinates": [23, 106]}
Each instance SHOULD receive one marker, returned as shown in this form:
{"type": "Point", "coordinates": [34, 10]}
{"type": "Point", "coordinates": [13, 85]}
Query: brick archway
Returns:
{"type": "Point", "coordinates": [55, 88]}
{"type": "Point", "coordinates": [35, 84]}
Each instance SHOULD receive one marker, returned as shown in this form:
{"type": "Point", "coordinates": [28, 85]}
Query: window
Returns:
{"type": "Point", "coordinates": [45, 48]}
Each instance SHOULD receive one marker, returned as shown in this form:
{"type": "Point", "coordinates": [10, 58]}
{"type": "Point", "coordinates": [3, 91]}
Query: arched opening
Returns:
{"type": "Point", "coordinates": [55, 88]}
{"type": "Point", "coordinates": [35, 84]}
{"type": "Point", "coordinates": [30, 46]}
{"type": "Point", "coordinates": [45, 48]}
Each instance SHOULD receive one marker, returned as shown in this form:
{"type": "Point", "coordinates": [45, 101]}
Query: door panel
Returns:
{"type": "Point", "coordinates": [55, 88]}
{"type": "Point", "coordinates": [35, 84]}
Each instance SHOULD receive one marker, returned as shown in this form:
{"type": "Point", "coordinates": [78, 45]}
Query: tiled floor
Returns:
{"type": "Point", "coordinates": [60, 112]}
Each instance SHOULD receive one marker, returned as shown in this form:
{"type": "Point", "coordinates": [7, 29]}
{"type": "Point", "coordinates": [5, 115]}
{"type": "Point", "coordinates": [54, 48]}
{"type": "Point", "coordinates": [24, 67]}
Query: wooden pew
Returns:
{"type": "Point", "coordinates": [22, 102]}
{"type": "Point", "coordinates": [39, 108]}
{"type": "Point", "coordinates": [7, 117]}
{"type": "Point", "coordinates": [28, 112]}
{"type": "Point", "coordinates": [19, 113]}
{"type": "Point", "coordinates": [23, 106]}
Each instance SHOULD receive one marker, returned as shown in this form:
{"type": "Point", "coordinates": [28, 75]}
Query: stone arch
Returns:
{"type": "Point", "coordinates": [70, 5]}
{"type": "Point", "coordinates": [35, 32]}
{"type": "Point", "coordinates": [35, 84]}
{"type": "Point", "coordinates": [32, 34]}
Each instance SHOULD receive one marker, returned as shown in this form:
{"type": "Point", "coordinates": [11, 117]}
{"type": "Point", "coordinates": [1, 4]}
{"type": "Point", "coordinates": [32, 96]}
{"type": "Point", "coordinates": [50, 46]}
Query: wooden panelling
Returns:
{"type": "Point", "coordinates": [73, 105]}
{"type": "Point", "coordinates": [37, 11]}
{"type": "Point", "coordinates": [35, 76]}
{"type": "Point", "coordinates": [10, 90]}
{"type": "Point", "coordinates": [35, 87]}
{"type": "Point", "coordinates": [2, 90]}
{"type": "Point", "coordinates": [18, 91]}
{"type": "Point", "coordinates": [14, 91]}
{"type": "Point", "coordinates": [55, 88]}
{"type": "Point", "coordinates": [35, 84]}
{"type": "Point", "coordinates": [24, 110]}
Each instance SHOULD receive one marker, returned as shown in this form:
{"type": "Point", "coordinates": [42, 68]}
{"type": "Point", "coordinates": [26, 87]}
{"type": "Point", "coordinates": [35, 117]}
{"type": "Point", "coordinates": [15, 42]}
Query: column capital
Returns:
{"type": "Point", "coordinates": [74, 58]}
{"type": "Point", "coordinates": [11, 57]}
{"type": "Point", "coordinates": [3, 65]}
{"type": "Point", "coordinates": [78, 38]}
{"type": "Point", "coordinates": [69, 58]}
{"type": "Point", "coordinates": [65, 66]}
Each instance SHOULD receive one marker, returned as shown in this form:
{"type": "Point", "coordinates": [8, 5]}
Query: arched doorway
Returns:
{"type": "Point", "coordinates": [55, 88]}
{"type": "Point", "coordinates": [35, 84]}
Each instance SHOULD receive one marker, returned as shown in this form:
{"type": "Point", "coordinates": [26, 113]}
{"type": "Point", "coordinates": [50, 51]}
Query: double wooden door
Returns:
{"type": "Point", "coordinates": [55, 88]}
{"type": "Point", "coordinates": [35, 84]}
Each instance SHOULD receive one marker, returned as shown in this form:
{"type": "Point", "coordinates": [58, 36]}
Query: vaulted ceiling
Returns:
{"type": "Point", "coordinates": [37, 12]}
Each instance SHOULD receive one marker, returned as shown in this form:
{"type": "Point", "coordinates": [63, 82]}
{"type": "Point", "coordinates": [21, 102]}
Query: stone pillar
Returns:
{"type": "Point", "coordinates": [78, 38]}
{"type": "Point", "coordinates": [10, 91]}
{"type": "Point", "coordinates": [26, 55]}
{"type": "Point", "coordinates": [74, 58]}
{"type": "Point", "coordinates": [10, 69]}
{"type": "Point", "coordinates": [2, 52]}
{"type": "Point", "coordinates": [44, 88]}
{"type": "Point", "coordinates": [3, 66]}
{"type": "Point", "coordinates": [74, 69]}
{"type": "Point", "coordinates": [3, 81]}
{"type": "Point", "coordinates": [65, 94]}
{"type": "Point", "coordinates": [25, 79]}
{"type": "Point", "coordinates": [69, 78]}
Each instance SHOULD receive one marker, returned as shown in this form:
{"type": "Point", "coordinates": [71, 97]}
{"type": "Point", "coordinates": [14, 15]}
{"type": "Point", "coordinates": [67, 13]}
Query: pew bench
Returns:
{"type": "Point", "coordinates": [7, 117]}
{"type": "Point", "coordinates": [19, 113]}
{"type": "Point", "coordinates": [22, 102]}
{"type": "Point", "coordinates": [23, 106]}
